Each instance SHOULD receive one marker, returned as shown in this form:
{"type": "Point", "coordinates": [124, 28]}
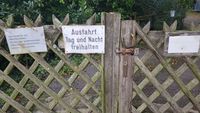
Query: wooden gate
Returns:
{"type": "Point", "coordinates": [148, 82]}
{"type": "Point", "coordinates": [49, 82]}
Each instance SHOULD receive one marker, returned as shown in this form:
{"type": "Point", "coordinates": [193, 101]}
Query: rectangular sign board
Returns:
{"type": "Point", "coordinates": [84, 38]}
{"type": "Point", "coordinates": [26, 40]}
{"type": "Point", "coordinates": [182, 44]}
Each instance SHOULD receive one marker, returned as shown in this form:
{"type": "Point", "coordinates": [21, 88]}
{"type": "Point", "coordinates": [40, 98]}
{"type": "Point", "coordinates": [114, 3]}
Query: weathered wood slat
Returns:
{"type": "Point", "coordinates": [61, 80]}
{"type": "Point", "coordinates": [157, 85]}
{"type": "Point", "coordinates": [62, 92]}
{"type": "Point", "coordinates": [108, 70]}
{"type": "Point", "coordinates": [2, 35]}
{"type": "Point", "coordinates": [38, 21]}
{"type": "Point", "coordinates": [151, 97]}
{"type": "Point", "coordinates": [96, 102]}
{"type": "Point", "coordinates": [179, 72]}
{"type": "Point", "coordinates": [146, 29]}
{"type": "Point", "coordinates": [36, 80]}
{"type": "Point", "coordinates": [1, 111]}
{"type": "Point", "coordinates": [188, 107]}
{"type": "Point", "coordinates": [55, 20]}
{"type": "Point", "coordinates": [193, 67]}
{"type": "Point", "coordinates": [134, 110]}
{"type": "Point", "coordinates": [12, 102]}
{"type": "Point", "coordinates": [47, 82]}
{"type": "Point", "coordinates": [190, 85]}
{"type": "Point", "coordinates": [182, 69]}
{"type": "Point", "coordinates": [158, 68]}
{"type": "Point", "coordinates": [82, 74]}
{"type": "Point", "coordinates": [148, 54]}
{"type": "Point", "coordinates": [113, 34]}
{"type": "Point", "coordinates": [163, 108]}
{"type": "Point", "coordinates": [15, 93]}
{"type": "Point", "coordinates": [155, 71]}
{"type": "Point", "coordinates": [145, 81]}
{"type": "Point", "coordinates": [126, 67]}
{"type": "Point", "coordinates": [29, 23]}
{"type": "Point", "coordinates": [24, 92]}
{"type": "Point", "coordinates": [66, 60]}
{"type": "Point", "coordinates": [154, 96]}
{"type": "Point", "coordinates": [112, 23]}
{"type": "Point", "coordinates": [81, 67]}
{"type": "Point", "coordinates": [144, 98]}
{"type": "Point", "coordinates": [86, 88]}
{"type": "Point", "coordinates": [98, 66]}
{"type": "Point", "coordinates": [103, 96]}
{"type": "Point", "coordinates": [166, 27]}
{"type": "Point", "coordinates": [10, 21]}
{"type": "Point", "coordinates": [166, 65]}
{"type": "Point", "coordinates": [22, 83]}
{"type": "Point", "coordinates": [91, 20]}
{"type": "Point", "coordinates": [66, 20]}
{"type": "Point", "coordinates": [9, 68]}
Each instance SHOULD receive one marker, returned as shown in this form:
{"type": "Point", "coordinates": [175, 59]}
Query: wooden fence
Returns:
{"type": "Point", "coordinates": [111, 83]}
{"type": "Point", "coordinates": [50, 82]}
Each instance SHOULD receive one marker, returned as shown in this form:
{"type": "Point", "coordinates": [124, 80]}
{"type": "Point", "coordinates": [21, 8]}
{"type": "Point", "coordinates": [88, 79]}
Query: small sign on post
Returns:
{"type": "Point", "coordinates": [84, 39]}
{"type": "Point", "coordinates": [26, 40]}
{"type": "Point", "coordinates": [182, 44]}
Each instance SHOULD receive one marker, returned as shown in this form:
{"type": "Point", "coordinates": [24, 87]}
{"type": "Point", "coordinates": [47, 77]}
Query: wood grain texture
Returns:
{"type": "Point", "coordinates": [126, 68]}
{"type": "Point", "coordinates": [112, 28]}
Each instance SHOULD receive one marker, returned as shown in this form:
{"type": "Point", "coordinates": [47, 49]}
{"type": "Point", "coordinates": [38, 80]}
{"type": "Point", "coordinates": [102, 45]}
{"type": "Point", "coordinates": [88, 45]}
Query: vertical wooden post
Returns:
{"type": "Point", "coordinates": [111, 69]}
{"type": "Point", "coordinates": [126, 67]}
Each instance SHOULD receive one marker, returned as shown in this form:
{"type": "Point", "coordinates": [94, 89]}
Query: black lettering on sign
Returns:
{"type": "Point", "coordinates": [95, 39]}
{"type": "Point", "coordinates": [70, 40]}
{"type": "Point", "coordinates": [81, 39]}
{"type": "Point", "coordinates": [84, 32]}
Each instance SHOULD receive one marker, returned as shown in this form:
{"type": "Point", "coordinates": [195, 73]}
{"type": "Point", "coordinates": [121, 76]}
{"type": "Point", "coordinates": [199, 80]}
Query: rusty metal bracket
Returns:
{"type": "Point", "coordinates": [126, 51]}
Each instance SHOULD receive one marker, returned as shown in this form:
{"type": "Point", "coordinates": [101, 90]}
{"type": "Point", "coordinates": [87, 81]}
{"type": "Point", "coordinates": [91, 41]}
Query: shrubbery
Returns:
{"type": "Point", "coordinates": [143, 10]}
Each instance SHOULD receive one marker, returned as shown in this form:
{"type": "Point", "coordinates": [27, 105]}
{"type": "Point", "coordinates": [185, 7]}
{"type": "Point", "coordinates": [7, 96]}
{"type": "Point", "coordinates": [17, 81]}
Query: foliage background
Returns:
{"type": "Point", "coordinates": [156, 11]}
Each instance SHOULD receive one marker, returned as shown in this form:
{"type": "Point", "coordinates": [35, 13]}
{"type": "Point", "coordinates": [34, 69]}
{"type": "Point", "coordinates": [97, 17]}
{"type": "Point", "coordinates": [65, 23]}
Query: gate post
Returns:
{"type": "Point", "coordinates": [112, 23]}
{"type": "Point", "coordinates": [126, 66]}
{"type": "Point", "coordinates": [118, 67]}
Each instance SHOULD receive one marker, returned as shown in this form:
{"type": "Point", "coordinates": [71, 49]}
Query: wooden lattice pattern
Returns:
{"type": "Point", "coordinates": [179, 100]}
{"type": "Point", "coordinates": [68, 96]}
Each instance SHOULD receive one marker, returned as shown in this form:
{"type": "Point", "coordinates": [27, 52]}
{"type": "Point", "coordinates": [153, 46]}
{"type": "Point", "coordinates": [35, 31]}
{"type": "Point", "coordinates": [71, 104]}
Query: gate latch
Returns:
{"type": "Point", "coordinates": [126, 51]}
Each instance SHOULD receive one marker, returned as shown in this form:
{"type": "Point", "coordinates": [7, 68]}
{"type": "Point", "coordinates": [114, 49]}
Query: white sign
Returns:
{"type": "Point", "coordinates": [84, 39]}
{"type": "Point", "coordinates": [183, 44]}
{"type": "Point", "coordinates": [26, 40]}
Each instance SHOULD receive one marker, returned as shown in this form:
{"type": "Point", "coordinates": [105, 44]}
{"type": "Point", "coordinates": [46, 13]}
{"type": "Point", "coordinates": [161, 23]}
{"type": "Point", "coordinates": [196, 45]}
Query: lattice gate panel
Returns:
{"type": "Point", "coordinates": [164, 85]}
{"type": "Point", "coordinates": [52, 81]}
